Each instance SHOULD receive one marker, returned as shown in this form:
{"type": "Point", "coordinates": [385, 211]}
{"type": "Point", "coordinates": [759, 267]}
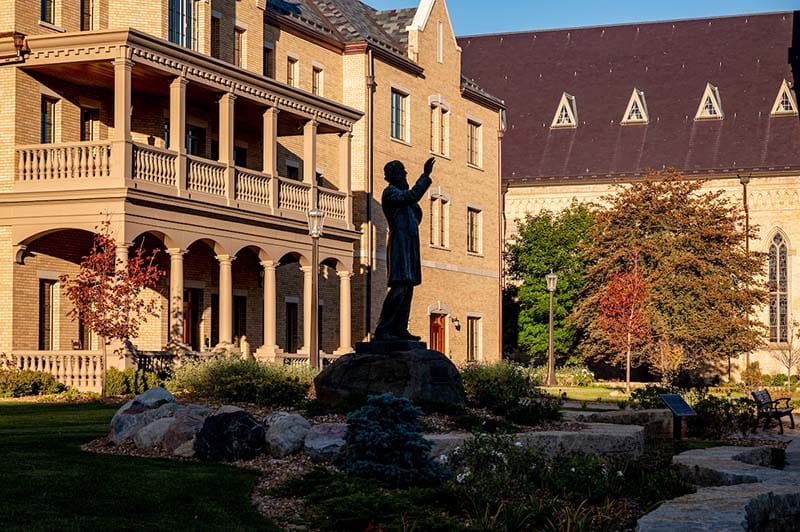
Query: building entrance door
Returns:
{"type": "Point", "coordinates": [192, 301]}
{"type": "Point", "coordinates": [437, 332]}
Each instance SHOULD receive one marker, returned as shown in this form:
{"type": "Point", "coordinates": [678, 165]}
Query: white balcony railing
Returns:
{"type": "Point", "coordinates": [332, 202]}
{"type": "Point", "coordinates": [292, 195]}
{"type": "Point", "coordinates": [205, 176]}
{"type": "Point", "coordinates": [154, 165]}
{"type": "Point", "coordinates": [79, 369]}
{"type": "Point", "coordinates": [48, 162]}
{"type": "Point", "coordinates": [252, 186]}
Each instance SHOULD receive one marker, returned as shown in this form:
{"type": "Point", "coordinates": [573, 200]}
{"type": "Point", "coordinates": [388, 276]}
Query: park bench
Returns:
{"type": "Point", "coordinates": [769, 409]}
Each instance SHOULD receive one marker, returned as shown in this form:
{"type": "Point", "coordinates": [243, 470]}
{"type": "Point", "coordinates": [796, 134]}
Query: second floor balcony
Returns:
{"type": "Point", "coordinates": [124, 109]}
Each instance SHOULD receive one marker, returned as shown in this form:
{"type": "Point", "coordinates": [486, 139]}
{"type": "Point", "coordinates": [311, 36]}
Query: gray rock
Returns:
{"type": "Point", "coordinates": [228, 409]}
{"type": "Point", "coordinates": [133, 416]}
{"type": "Point", "coordinates": [186, 449]}
{"type": "Point", "coordinates": [155, 397]}
{"type": "Point", "coordinates": [229, 436]}
{"type": "Point", "coordinates": [324, 441]}
{"type": "Point", "coordinates": [415, 374]}
{"type": "Point", "coordinates": [152, 434]}
{"type": "Point", "coordinates": [188, 422]}
{"type": "Point", "coordinates": [657, 423]}
{"type": "Point", "coordinates": [285, 433]}
{"type": "Point", "coordinates": [602, 439]}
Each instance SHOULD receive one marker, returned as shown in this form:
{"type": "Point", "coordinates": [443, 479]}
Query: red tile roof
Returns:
{"type": "Point", "coordinates": [746, 57]}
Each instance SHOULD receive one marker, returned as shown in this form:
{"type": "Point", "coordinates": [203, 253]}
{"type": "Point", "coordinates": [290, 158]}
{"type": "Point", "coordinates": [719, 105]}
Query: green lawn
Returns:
{"type": "Point", "coordinates": [48, 483]}
{"type": "Point", "coordinates": [589, 393]}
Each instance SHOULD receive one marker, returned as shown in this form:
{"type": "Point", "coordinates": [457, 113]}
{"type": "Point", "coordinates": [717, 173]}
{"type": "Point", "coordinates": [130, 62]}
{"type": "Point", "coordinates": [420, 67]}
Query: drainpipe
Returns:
{"type": "Point", "coordinates": [501, 231]}
{"type": "Point", "coordinates": [370, 225]}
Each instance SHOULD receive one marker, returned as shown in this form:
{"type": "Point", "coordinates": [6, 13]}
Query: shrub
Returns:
{"type": "Point", "coordinates": [751, 376]}
{"type": "Point", "coordinates": [534, 412]}
{"type": "Point", "coordinates": [384, 441]}
{"type": "Point", "coordinates": [719, 417]}
{"type": "Point", "coordinates": [574, 376]}
{"type": "Point", "coordinates": [131, 381]}
{"type": "Point", "coordinates": [648, 397]}
{"type": "Point", "coordinates": [779, 380]}
{"type": "Point", "coordinates": [236, 380]}
{"type": "Point", "coordinates": [491, 384]}
{"type": "Point", "coordinates": [27, 382]}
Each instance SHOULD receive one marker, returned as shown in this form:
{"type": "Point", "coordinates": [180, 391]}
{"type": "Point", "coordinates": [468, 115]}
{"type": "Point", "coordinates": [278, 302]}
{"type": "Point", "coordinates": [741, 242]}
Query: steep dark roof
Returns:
{"type": "Point", "coordinates": [746, 57]}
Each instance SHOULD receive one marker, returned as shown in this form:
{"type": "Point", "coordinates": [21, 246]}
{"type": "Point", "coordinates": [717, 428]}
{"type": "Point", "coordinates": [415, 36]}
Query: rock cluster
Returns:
{"type": "Point", "coordinates": [155, 419]}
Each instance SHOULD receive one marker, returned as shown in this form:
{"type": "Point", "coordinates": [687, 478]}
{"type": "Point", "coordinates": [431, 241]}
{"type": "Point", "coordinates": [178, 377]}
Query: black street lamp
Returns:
{"type": "Point", "coordinates": [744, 180]}
{"type": "Point", "coordinates": [551, 361]}
{"type": "Point", "coordinates": [316, 218]}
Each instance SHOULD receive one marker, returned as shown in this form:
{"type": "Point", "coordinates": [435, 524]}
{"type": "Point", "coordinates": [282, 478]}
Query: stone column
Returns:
{"type": "Point", "coordinates": [270, 347]}
{"type": "Point", "coordinates": [270, 154]}
{"type": "Point", "coordinates": [121, 253]}
{"type": "Point", "coordinates": [226, 135]}
{"type": "Point", "coordinates": [345, 341]}
{"type": "Point", "coordinates": [225, 299]}
{"type": "Point", "coordinates": [121, 156]}
{"type": "Point", "coordinates": [177, 130]}
{"type": "Point", "coordinates": [310, 161]}
{"type": "Point", "coordinates": [176, 294]}
{"type": "Point", "coordinates": [307, 304]}
{"type": "Point", "coordinates": [345, 140]}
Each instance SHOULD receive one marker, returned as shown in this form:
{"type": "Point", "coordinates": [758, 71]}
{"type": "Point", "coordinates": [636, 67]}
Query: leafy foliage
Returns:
{"type": "Point", "coordinates": [27, 382]}
{"type": "Point", "coordinates": [129, 382]}
{"type": "Point", "coordinates": [751, 376]}
{"type": "Point", "coordinates": [237, 380]}
{"type": "Point", "coordinates": [491, 384]}
{"type": "Point", "coordinates": [703, 287]}
{"type": "Point", "coordinates": [788, 353]}
{"type": "Point", "coordinates": [720, 417]}
{"type": "Point", "coordinates": [649, 396]}
{"type": "Point", "coordinates": [384, 441]}
{"type": "Point", "coordinates": [545, 242]}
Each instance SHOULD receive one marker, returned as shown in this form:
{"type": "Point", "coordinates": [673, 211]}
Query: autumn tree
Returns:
{"type": "Point", "coordinates": [622, 315]}
{"type": "Point", "coordinates": [703, 287]}
{"type": "Point", "coordinates": [106, 293]}
{"type": "Point", "coordinates": [544, 242]}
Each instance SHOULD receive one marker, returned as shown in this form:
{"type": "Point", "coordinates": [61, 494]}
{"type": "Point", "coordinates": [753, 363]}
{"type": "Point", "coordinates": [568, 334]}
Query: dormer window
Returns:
{"type": "Point", "coordinates": [566, 113]}
{"type": "Point", "coordinates": [636, 112]}
{"type": "Point", "coordinates": [710, 107]}
{"type": "Point", "coordinates": [786, 102]}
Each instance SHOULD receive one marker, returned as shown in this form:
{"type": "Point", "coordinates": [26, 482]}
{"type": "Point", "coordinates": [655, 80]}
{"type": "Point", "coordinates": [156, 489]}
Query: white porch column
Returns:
{"type": "Point", "coordinates": [270, 347]}
{"type": "Point", "coordinates": [310, 160]}
{"type": "Point", "coordinates": [121, 253]}
{"type": "Point", "coordinates": [226, 135]}
{"type": "Point", "coordinates": [270, 154]}
{"type": "Point", "coordinates": [177, 130]}
{"type": "Point", "coordinates": [225, 299]}
{"type": "Point", "coordinates": [176, 295]}
{"type": "Point", "coordinates": [121, 156]}
{"type": "Point", "coordinates": [345, 151]}
{"type": "Point", "coordinates": [345, 341]}
{"type": "Point", "coordinates": [308, 298]}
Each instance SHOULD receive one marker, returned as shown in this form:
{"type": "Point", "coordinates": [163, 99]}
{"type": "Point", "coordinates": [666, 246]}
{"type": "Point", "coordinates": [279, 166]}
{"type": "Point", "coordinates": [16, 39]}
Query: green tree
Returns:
{"type": "Point", "coordinates": [703, 287]}
{"type": "Point", "coordinates": [547, 241]}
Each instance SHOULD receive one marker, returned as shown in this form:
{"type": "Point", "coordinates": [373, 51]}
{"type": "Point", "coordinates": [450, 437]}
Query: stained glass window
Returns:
{"type": "Point", "coordinates": [778, 288]}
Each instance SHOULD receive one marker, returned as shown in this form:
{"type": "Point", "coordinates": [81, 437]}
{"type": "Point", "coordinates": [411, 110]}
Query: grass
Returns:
{"type": "Point", "coordinates": [48, 483]}
{"type": "Point", "coordinates": [588, 393]}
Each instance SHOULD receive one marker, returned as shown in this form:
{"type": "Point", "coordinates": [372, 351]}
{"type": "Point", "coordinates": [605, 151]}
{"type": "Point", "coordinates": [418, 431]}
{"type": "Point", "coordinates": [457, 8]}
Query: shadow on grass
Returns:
{"type": "Point", "coordinates": [48, 483]}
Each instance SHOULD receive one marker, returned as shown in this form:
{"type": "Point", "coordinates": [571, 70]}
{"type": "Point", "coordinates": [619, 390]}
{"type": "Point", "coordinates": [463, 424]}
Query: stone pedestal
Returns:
{"type": "Point", "coordinates": [406, 369]}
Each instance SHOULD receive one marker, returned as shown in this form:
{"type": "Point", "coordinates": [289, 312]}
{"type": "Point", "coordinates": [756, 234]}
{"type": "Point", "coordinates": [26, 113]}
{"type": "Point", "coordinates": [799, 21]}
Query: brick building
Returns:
{"type": "Point", "coordinates": [208, 129]}
{"type": "Point", "coordinates": [593, 107]}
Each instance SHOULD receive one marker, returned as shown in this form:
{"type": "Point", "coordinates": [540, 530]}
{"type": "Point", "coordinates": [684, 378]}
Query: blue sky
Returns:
{"type": "Point", "coordinates": [496, 16]}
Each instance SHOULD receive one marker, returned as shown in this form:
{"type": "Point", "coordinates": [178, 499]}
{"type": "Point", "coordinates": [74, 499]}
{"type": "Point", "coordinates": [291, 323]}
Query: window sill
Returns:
{"type": "Point", "coordinates": [440, 155]}
{"type": "Point", "coordinates": [50, 26]}
{"type": "Point", "coordinates": [400, 141]}
{"type": "Point", "coordinates": [475, 167]}
{"type": "Point", "coordinates": [440, 248]}
{"type": "Point", "coordinates": [478, 254]}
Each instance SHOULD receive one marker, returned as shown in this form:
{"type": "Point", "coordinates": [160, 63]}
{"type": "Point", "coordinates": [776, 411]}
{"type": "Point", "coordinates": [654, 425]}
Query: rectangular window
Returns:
{"type": "Point", "coordinates": [182, 23]}
{"type": "Point", "coordinates": [215, 33]}
{"type": "Point", "coordinates": [316, 81]}
{"type": "Point", "coordinates": [239, 317]}
{"type": "Point", "coordinates": [47, 294]}
{"type": "Point", "coordinates": [444, 127]}
{"type": "Point", "coordinates": [399, 111]}
{"type": "Point", "coordinates": [240, 156]}
{"type": "Point", "coordinates": [440, 43]}
{"type": "Point", "coordinates": [440, 125]}
{"type": "Point", "coordinates": [293, 171]}
{"type": "Point", "coordinates": [439, 220]}
{"type": "Point", "coordinates": [435, 114]}
{"type": "Point", "coordinates": [473, 339]}
{"type": "Point", "coordinates": [291, 327]}
{"type": "Point", "coordinates": [90, 119]}
{"type": "Point", "coordinates": [47, 123]}
{"type": "Point", "coordinates": [196, 141]}
{"type": "Point", "coordinates": [238, 47]}
{"type": "Point", "coordinates": [269, 62]}
{"type": "Point", "coordinates": [474, 230]}
{"type": "Point", "coordinates": [292, 77]}
{"type": "Point", "coordinates": [474, 155]}
{"type": "Point", "coordinates": [87, 15]}
{"type": "Point", "coordinates": [48, 11]}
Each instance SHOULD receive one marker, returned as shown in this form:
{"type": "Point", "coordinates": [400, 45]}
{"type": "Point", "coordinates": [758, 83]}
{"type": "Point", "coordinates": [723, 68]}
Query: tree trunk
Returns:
{"type": "Point", "coordinates": [103, 369]}
{"type": "Point", "coordinates": [628, 367]}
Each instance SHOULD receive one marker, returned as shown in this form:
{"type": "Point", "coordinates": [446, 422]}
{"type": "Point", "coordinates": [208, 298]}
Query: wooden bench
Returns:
{"type": "Point", "coordinates": [769, 409]}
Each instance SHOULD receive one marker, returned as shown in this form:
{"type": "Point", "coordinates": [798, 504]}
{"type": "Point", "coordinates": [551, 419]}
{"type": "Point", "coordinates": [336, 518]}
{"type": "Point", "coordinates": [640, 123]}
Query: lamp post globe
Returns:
{"type": "Point", "coordinates": [316, 219]}
{"type": "Point", "coordinates": [552, 279]}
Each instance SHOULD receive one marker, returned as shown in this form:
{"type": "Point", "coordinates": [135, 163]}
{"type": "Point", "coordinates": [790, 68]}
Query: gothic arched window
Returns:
{"type": "Point", "coordinates": [778, 290]}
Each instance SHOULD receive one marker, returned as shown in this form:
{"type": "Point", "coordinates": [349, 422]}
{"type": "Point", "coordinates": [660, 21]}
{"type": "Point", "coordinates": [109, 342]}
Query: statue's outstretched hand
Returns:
{"type": "Point", "coordinates": [429, 166]}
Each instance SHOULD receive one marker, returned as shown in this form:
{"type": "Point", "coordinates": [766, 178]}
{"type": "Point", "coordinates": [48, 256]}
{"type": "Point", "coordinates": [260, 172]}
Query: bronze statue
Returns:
{"type": "Point", "coordinates": [400, 205]}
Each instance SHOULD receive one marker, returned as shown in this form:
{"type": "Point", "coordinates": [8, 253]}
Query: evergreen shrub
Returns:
{"type": "Point", "coordinates": [27, 383]}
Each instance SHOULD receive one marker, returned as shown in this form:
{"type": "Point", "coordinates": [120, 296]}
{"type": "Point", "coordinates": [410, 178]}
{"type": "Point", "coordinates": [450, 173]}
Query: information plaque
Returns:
{"type": "Point", "coordinates": [680, 409]}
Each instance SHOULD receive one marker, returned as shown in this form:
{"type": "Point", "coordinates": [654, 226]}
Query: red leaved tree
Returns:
{"type": "Point", "coordinates": [622, 315]}
{"type": "Point", "coordinates": [107, 293]}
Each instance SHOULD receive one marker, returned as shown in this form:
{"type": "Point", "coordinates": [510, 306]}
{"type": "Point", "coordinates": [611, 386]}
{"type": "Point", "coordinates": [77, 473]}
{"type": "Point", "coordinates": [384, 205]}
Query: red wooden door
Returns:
{"type": "Point", "coordinates": [437, 332]}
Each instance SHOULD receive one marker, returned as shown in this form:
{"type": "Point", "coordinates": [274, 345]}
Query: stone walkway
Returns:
{"type": "Point", "coordinates": [741, 492]}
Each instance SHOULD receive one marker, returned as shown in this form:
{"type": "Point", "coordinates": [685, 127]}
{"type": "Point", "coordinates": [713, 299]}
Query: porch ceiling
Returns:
{"type": "Point", "coordinates": [100, 74]}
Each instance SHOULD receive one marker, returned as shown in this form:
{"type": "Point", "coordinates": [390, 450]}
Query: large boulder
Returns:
{"type": "Point", "coordinates": [188, 422]}
{"type": "Point", "coordinates": [152, 434]}
{"type": "Point", "coordinates": [285, 433]}
{"type": "Point", "coordinates": [229, 436]}
{"type": "Point", "coordinates": [324, 441]}
{"type": "Point", "coordinates": [139, 412]}
{"type": "Point", "coordinates": [414, 374]}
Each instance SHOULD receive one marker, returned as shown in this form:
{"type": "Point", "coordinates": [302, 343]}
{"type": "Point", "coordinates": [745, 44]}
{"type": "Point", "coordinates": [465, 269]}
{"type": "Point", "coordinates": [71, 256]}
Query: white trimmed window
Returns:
{"type": "Point", "coordinates": [566, 113]}
{"type": "Point", "coordinates": [778, 289]}
{"type": "Point", "coordinates": [474, 338]}
{"type": "Point", "coordinates": [183, 23]}
{"type": "Point", "coordinates": [399, 115]}
{"type": "Point", "coordinates": [474, 143]}
{"type": "Point", "coordinates": [440, 218]}
{"type": "Point", "coordinates": [47, 120]}
{"type": "Point", "coordinates": [239, 47]}
{"type": "Point", "coordinates": [474, 230]}
{"type": "Point", "coordinates": [440, 129]}
{"type": "Point", "coordinates": [317, 80]}
{"type": "Point", "coordinates": [636, 111]}
{"type": "Point", "coordinates": [268, 60]}
{"type": "Point", "coordinates": [785, 102]}
{"type": "Point", "coordinates": [710, 107]}
{"type": "Point", "coordinates": [292, 71]}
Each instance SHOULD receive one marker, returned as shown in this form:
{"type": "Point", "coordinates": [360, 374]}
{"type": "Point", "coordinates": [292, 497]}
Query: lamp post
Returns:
{"type": "Point", "coordinates": [744, 180]}
{"type": "Point", "coordinates": [316, 217]}
{"type": "Point", "coordinates": [551, 361]}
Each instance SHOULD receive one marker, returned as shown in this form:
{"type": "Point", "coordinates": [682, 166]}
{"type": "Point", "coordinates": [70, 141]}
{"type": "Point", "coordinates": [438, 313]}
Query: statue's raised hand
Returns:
{"type": "Point", "coordinates": [429, 166]}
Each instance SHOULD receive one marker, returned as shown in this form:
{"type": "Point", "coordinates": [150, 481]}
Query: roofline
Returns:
{"type": "Point", "coordinates": [623, 24]}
